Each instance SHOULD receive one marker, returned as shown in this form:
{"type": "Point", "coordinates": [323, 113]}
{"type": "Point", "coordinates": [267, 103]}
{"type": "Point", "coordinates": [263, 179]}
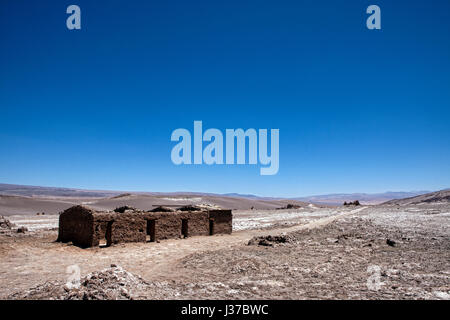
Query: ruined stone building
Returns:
{"type": "Point", "coordinates": [86, 227]}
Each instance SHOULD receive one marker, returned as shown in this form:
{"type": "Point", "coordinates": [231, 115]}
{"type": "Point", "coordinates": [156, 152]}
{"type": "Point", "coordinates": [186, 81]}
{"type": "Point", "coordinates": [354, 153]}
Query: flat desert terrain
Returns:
{"type": "Point", "coordinates": [391, 251]}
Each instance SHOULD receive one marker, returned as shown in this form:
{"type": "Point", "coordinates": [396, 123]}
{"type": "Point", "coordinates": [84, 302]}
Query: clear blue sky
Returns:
{"type": "Point", "coordinates": [358, 110]}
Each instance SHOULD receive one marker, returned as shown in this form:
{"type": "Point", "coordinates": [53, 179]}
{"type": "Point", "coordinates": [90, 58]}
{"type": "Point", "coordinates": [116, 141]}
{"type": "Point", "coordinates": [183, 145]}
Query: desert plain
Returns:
{"type": "Point", "coordinates": [399, 249]}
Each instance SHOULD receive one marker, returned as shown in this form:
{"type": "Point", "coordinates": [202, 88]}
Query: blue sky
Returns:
{"type": "Point", "coordinates": [358, 110]}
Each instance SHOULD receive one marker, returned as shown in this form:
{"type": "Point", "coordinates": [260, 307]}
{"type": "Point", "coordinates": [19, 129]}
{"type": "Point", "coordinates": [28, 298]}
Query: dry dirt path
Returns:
{"type": "Point", "coordinates": [317, 223]}
{"type": "Point", "coordinates": [30, 261]}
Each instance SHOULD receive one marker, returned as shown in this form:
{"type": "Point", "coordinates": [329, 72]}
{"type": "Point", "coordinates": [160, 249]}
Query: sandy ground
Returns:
{"type": "Point", "coordinates": [331, 253]}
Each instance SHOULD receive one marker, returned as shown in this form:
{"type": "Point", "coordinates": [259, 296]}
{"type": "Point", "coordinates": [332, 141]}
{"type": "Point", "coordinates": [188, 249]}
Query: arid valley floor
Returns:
{"type": "Point", "coordinates": [392, 251]}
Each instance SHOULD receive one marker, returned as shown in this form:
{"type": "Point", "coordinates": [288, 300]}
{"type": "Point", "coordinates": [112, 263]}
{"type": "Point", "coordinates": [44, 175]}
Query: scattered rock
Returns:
{"type": "Point", "coordinates": [6, 224]}
{"type": "Point", "coordinates": [290, 206]}
{"type": "Point", "coordinates": [123, 209]}
{"type": "Point", "coordinates": [354, 203]}
{"type": "Point", "coordinates": [268, 241]}
{"type": "Point", "coordinates": [442, 295]}
{"type": "Point", "coordinates": [112, 283]}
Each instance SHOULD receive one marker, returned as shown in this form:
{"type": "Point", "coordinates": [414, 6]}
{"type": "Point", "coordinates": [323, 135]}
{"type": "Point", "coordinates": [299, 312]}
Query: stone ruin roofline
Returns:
{"type": "Point", "coordinates": [138, 211]}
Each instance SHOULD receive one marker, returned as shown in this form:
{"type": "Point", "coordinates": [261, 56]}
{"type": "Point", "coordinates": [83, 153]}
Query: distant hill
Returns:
{"type": "Point", "coordinates": [249, 196]}
{"type": "Point", "coordinates": [36, 191]}
{"type": "Point", "coordinates": [363, 198]}
{"type": "Point", "coordinates": [432, 197]}
{"type": "Point", "coordinates": [19, 199]}
{"type": "Point", "coordinates": [28, 200]}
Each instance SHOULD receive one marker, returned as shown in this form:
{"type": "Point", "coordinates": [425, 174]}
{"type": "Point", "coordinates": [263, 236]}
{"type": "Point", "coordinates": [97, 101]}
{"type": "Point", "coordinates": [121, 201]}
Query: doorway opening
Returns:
{"type": "Point", "coordinates": [184, 228]}
{"type": "Point", "coordinates": [211, 227]}
{"type": "Point", "coordinates": [151, 234]}
{"type": "Point", "coordinates": [107, 241]}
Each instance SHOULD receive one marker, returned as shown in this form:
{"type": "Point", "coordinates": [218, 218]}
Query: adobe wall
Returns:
{"type": "Point", "coordinates": [168, 224]}
{"type": "Point", "coordinates": [86, 228]}
{"type": "Point", "coordinates": [125, 227]}
{"type": "Point", "coordinates": [223, 221]}
{"type": "Point", "coordinates": [75, 224]}
{"type": "Point", "coordinates": [198, 222]}
{"type": "Point", "coordinates": [132, 226]}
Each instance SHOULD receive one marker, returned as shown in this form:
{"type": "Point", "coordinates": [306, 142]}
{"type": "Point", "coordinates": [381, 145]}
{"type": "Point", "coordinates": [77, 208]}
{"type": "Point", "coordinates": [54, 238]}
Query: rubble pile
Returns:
{"type": "Point", "coordinates": [269, 240]}
{"type": "Point", "coordinates": [123, 209]}
{"type": "Point", "coordinates": [112, 283]}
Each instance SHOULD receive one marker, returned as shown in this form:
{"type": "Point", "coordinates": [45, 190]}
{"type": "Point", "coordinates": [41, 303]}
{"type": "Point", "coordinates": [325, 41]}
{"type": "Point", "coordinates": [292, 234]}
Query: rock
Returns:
{"type": "Point", "coordinates": [22, 230]}
{"type": "Point", "coordinates": [390, 242]}
{"type": "Point", "coordinates": [6, 224]}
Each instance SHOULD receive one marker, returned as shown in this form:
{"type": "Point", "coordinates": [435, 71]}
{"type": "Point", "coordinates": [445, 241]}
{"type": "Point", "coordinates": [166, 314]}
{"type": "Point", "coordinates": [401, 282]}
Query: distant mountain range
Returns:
{"type": "Point", "coordinates": [363, 198]}
{"type": "Point", "coordinates": [19, 199]}
{"type": "Point", "coordinates": [328, 199]}
{"type": "Point", "coordinates": [36, 191]}
{"type": "Point", "coordinates": [438, 196]}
